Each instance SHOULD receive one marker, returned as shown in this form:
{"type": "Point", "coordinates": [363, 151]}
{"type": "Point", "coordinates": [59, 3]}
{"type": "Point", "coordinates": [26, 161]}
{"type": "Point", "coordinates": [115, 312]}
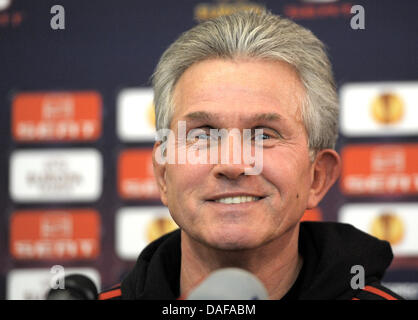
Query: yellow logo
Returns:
{"type": "Point", "coordinates": [150, 114]}
{"type": "Point", "coordinates": [158, 227]}
{"type": "Point", "coordinates": [389, 227]}
{"type": "Point", "coordinates": [205, 11]}
{"type": "Point", "coordinates": [387, 108]}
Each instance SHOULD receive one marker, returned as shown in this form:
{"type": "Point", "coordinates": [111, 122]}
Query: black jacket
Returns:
{"type": "Point", "coordinates": [329, 252]}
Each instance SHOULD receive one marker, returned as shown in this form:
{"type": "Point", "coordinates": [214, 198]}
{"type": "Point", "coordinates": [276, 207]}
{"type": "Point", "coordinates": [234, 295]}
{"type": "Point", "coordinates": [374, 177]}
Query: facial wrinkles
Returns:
{"type": "Point", "coordinates": [288, 124]}
{"type": "Point", "coordinates": [221, 93]}
{"type": "Point", "coordinates": [223, 84]}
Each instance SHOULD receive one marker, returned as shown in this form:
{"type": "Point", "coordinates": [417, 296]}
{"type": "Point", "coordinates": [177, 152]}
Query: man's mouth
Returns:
{"type": "Point", "coordinates": [236, 199]}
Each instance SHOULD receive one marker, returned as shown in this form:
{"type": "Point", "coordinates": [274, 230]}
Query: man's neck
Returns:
{"type": "Point", "coordinates": [276, 264]}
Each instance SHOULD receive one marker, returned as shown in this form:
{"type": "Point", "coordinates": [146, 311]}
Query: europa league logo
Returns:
{"type": "Point", "coordinates": [389, 227]}
{"type": "Point", "coordinates": [387, 108]}
{"type": "Point", "coordinates": [150, 114]}
{"type": "Point", "coordinates": [158, 227]}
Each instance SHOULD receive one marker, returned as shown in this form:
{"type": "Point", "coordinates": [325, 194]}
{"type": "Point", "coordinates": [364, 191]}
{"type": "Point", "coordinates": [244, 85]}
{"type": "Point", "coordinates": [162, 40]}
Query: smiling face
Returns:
{"type": "Point", "coordinates": [240, 94]}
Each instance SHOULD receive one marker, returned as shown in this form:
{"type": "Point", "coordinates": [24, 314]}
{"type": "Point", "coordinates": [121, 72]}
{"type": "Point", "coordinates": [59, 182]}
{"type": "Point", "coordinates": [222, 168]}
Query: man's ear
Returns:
{"type": "Point", "coordinates": [160, 170]}
{"type": "Point", "coordinates": [325, 171]}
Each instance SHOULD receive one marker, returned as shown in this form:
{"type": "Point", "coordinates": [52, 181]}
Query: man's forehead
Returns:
{"type": "Point", "coordinates": [219, 85]}
{"type": "Point", "coordinates": [238, 73]}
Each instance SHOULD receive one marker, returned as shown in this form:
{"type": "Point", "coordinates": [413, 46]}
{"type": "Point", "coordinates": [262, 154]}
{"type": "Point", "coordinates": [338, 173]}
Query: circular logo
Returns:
{"type": "Point", "coordinates": [158, 227]}
{"type": "Point", "coordinates": [389, 227]}
{"type": "Point", "coordinates": [387, 108]}
{"type": "Point", "coordinates": [151, 114]}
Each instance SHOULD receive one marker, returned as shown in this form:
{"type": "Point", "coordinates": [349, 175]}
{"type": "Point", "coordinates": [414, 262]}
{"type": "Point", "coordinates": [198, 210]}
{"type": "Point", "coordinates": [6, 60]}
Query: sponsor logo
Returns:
{"type": "Point", "coordinates": [55, 175]}
{"type": "Point", "coordinates": [135, 115]}
{"type": "Point", "coordinates": [314, 214]}
{"type": "Point", "coordinates": [159, 226]}
{"type": "Point", "coordinates": [379, 109]}
{"type": "Point", "coordinates": [387, 108]}
{"type": "Point", "coordinates": [136, 175]}
{"type": "Point", "coordinates": [56, 116]}
{"type": "Point", "coordinates": [393, 222]}
{"type": "Point", "coordinates": [317, 9]}
{"type": "Point", "coordinates": [388, 226]}
{"type": "Point", "coordinates": [136, 227]}
{"type": "Point", "coordinates": [379, 169]}
{"type": "Point", "coordinates": [55, 234]}
{"type": "Point", "coordinates": [34, 284]}
{"type": "Point", "coordinates": [205, 11]}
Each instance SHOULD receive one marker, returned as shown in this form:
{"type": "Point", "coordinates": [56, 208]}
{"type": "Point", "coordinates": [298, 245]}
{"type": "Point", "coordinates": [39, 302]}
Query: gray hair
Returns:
{"type": "Point", "coordinates": [260, 36]}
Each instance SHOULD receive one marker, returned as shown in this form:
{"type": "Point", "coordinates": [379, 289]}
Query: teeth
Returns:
{"type": "Point", "coordinates": [240, 199]}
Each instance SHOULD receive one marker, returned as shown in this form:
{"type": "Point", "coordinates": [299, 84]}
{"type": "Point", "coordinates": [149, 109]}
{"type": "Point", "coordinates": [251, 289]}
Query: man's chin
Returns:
{"type": "Point", "coordinates": [231, 247]}
{"type": "Point", "coordinates": [226, 238]}
{"type": "Point", "coordinates": [232, 241]}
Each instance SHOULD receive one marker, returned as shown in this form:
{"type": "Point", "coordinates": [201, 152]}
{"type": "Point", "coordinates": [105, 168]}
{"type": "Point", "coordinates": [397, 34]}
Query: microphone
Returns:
{"type": "Point", "coordinates": [229, 284]}
{"type": "Point", "coordinates": [77, 287]}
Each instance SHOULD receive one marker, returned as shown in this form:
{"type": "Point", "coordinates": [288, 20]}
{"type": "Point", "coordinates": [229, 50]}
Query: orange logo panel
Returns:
{"type": "Point", "coordinates": [314, 214]}
{"type": "Point", "coordinates": [136, 175]}
{"type": "Point", "coordinates": [56, 116]}
{"type": "Point", "coordinates": [55, 234]}
{"type": "Point", "coordinates": [380, 169]}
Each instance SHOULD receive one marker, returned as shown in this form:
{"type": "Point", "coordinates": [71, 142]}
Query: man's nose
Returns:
{"type": "Point", "coordinates": [229, 171]}
{"type": "Point", "coordinates": [231, 164]}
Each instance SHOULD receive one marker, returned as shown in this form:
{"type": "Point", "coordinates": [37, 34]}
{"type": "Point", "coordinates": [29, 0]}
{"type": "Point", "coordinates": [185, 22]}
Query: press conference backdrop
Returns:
{"type": "Point", "coordinates": [77, 192]}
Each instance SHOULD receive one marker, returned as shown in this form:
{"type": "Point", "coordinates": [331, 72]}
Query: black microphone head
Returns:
{"type": "Point", "coordinates": [77, 287]}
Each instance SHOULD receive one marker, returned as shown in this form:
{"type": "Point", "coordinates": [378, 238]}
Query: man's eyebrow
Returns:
{"type": "Point", "coordinates": [206, 116]}
{"type": "Point", "coordinates": [270, 116]}
{"type": "Point", "coordinates": [200, 115]}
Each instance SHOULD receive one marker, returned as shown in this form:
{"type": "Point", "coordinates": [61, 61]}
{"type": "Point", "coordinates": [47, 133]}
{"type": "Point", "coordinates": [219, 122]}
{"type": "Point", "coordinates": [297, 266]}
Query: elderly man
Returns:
{"type": "Point", "coordinates": [271, 77]}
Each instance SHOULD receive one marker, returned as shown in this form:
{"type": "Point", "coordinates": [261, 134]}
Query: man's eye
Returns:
{"type": "Point", "coordinates": [202, 136]}
{"type": "Point", "coordinates": [198, 134]}
{"type": "Point", "coordinates": [262, 136]}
